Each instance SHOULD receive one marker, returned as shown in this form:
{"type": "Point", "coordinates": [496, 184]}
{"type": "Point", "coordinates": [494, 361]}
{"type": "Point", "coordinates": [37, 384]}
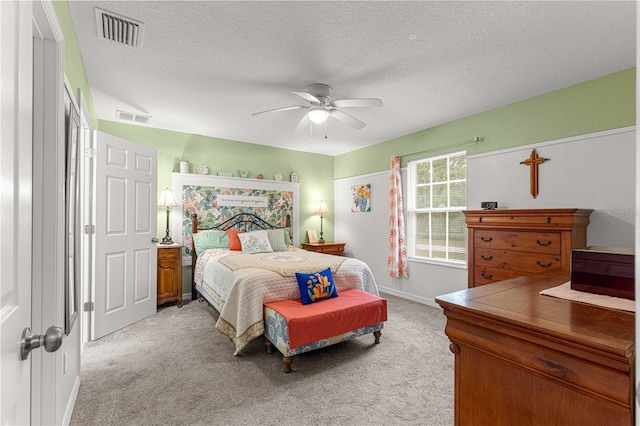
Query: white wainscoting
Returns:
{"type": "Point", "coordinates": [595, 171]}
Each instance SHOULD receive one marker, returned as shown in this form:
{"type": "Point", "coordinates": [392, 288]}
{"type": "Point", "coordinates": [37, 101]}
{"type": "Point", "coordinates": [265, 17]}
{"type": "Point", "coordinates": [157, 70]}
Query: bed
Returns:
{"type": "Point", "coordinates": [238, 285]}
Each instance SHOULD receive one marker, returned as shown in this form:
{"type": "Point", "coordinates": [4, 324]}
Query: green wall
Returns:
{"type": "Point", "coordinates": [315, 171]}
{"type": "Point", "coordinates": [601, 104]}
{"type": "Point", "coordinates": [73, 66]}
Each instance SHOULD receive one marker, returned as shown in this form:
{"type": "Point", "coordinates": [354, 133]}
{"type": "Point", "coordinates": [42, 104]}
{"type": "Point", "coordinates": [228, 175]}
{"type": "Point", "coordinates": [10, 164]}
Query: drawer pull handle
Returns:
{"type": "Point", "coordinates": [486, 258]}
{"type": "Point", "coordinates": [540, 243]}
{"type": "Point", "coordinates": [486, 276]}
{"type": "Point", "coordinates": [486, 240]}
{"type": "Point", "coordinates": [546, 265]}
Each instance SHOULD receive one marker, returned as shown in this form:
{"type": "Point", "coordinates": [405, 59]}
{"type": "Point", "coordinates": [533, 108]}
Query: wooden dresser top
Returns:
{"type": "Point", "coordinates": [517, 302]}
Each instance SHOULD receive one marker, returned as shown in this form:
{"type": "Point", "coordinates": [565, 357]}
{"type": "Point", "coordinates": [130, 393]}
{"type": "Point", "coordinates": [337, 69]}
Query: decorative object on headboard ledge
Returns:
{"type": "Point", "coordinates": [243, 173]}
{"type": "Point", "coordinates": [184, 166]}
{"type": "Point", "coordinates": [277, 177]}
{"type": "Point", "coordinates": [294, 177]}
{"type": "Point", "coordinates": [260, 176]}
{"type": "Point", "coordinates": [226, 174]}
{"type": "Point", "coordinates": [203, 170]}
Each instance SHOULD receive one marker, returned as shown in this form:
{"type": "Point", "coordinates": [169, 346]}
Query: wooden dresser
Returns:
{"type": "Point", "coordinates": [526, 359]}
{"type": "Point", "coordinates": [328, 247]}
{"type": "Point", "coordinates": [503, 244]}
{"type": "Point", "coordinates": [170, 273]}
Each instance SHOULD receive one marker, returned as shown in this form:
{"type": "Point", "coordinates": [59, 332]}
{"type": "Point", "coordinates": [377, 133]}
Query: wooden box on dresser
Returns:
{"type": "Point", "coordinates": [170, 273]}
{"type": "Point", "coordinates": [522, 358]}
{"type": "Point", "coordinates": [509, 243]}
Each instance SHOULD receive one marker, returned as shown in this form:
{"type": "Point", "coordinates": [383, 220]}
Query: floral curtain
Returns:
{"type": "Point", "coordinates": [397, 261]}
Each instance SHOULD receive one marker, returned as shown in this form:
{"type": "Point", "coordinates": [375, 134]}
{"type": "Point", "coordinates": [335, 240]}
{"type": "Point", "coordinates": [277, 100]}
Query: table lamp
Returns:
{"type": "Point", "coordinates": [167, 200]}
{"type": "Point", "coordinates": [322, 210]}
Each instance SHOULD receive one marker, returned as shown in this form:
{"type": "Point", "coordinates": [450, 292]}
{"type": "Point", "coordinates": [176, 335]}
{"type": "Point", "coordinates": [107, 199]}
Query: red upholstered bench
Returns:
{"type": "Point", "coordinates": [294, 328]}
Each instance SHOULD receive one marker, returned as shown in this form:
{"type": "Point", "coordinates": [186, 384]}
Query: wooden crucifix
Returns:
{"type": "Point", "coordinates": [533, 161]}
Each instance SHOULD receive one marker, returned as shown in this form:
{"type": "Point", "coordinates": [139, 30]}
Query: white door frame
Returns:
{"type": "Point", "coordinates": [50, 402]}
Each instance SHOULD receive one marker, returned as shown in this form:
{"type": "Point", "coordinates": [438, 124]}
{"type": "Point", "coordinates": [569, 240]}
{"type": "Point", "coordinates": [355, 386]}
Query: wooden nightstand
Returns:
{"type": "Point", "coordinates": [326, 247]}
{"type": "Point", "coordinates": [170, 273]}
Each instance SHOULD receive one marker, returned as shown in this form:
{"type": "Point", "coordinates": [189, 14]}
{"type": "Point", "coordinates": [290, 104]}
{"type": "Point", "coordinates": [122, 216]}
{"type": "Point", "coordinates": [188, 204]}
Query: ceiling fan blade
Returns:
{"type": "Point", "coordinates": [362, 102]}
{"type": "Point", "coordinates": [346, 118]}
{"type": "Point", "coordinates": [279, 109]}
{"type": "Point", "coordinates": [307, 96]}
{"type": "Point", "coordinates": [303, 123]}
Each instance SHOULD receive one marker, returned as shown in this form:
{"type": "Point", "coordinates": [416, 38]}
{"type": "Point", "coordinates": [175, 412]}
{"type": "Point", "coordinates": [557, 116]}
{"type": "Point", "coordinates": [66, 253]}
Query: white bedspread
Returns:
{"type": "Point", "coordinates": [239, 284]}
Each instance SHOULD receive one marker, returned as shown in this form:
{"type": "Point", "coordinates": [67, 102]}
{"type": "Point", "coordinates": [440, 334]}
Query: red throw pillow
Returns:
{"type": "Point", "coordinates": [234, 241]}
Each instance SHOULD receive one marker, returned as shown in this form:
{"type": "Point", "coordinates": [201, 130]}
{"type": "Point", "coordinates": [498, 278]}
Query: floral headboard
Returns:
{"type": "Point", "coordinates": [215, 199]}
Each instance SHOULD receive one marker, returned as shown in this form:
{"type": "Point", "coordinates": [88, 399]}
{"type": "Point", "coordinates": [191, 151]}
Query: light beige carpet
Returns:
{"type": "Point", "coordinates": [174, 368]}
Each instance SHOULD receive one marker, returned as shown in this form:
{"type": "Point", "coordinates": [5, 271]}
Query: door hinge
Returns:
{"type": "Point", "coordinates": [88, 307]}
{"type": "Point", "coordinates": [90, 229]}
{"type": "Point", "coordinates": [90, 153]}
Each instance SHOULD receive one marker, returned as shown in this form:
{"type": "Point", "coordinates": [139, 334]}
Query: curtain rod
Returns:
{"type": "Point", "coordinates": [476, 139]}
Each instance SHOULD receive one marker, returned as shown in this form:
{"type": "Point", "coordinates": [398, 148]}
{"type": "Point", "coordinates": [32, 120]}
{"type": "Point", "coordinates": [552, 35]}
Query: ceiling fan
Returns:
{"type": "Point", "coordinates": [322, 106]}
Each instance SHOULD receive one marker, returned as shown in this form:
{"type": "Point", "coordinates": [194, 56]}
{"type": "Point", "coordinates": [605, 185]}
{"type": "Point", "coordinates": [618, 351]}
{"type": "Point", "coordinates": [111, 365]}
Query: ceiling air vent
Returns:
{"type": "Point", "coordinates": [133, 117]}
{"type": "Point", "coordinates": [117, 28]}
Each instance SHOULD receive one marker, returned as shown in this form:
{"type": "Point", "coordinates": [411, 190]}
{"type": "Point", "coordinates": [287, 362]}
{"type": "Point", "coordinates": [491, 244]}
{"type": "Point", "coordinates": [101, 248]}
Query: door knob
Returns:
{"type": "Point", "coordinates": [51, 340]}
{"type": "Point", "coordinates": [154, 240]}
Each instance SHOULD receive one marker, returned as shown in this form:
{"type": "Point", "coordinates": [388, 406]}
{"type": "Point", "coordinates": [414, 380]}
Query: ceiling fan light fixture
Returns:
{"type": "Point", "coordinates": [318, 116]}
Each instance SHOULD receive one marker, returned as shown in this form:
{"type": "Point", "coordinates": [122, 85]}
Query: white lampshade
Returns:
{"type": "Point", "coordinates": [322, 209]}
{"type": "Point", "coordinates": [167, 199]}
{"type": "Point", "coordinates": [318, 115]}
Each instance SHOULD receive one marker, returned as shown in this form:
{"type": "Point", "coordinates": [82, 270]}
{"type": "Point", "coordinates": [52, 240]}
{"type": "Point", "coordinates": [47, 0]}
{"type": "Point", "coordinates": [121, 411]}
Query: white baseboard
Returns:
{"type": "Point", "coordinates": [412, 297]}
{"type": "Point", "coordinates": [72, 402]}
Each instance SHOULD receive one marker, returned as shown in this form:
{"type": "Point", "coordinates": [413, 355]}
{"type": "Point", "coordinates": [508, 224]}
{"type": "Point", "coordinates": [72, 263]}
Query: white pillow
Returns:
{"type": "Point", "coordinates": [255, 242]}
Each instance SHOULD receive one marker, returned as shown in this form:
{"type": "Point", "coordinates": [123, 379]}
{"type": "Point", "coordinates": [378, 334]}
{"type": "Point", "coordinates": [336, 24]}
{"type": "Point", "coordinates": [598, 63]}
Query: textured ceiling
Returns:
{"type": "Point", "coordinates": [205, 67]}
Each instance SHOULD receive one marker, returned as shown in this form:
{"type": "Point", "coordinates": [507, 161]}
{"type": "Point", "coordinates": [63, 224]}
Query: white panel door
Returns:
{"type": "Point", "coordinates": [126, 212]}
{"type": "Point", "coordinates": [15, 207]}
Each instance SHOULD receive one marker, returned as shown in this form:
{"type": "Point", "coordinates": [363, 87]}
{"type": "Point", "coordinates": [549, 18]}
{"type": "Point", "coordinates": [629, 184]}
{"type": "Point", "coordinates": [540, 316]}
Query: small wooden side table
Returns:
{"type": "Point", "coordinates": [328, 247]}
{"type": "Point", "coordinates": [170, 273]}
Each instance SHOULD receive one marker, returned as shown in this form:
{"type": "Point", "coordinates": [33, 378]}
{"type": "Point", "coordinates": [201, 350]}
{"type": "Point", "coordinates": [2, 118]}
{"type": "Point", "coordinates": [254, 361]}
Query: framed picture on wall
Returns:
{"type": "Point", "coordinates": [361, 198]}
{"type": "Point", "coordinates": [313, 236]}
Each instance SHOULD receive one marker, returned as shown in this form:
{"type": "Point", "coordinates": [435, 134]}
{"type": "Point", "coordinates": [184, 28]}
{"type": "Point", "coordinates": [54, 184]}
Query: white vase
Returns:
{"type": "Point", "coordinates": [184, 167]}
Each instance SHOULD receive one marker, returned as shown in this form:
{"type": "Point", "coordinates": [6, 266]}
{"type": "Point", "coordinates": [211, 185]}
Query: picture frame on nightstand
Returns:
{"type": "Point", "coordinates": [312, 235]}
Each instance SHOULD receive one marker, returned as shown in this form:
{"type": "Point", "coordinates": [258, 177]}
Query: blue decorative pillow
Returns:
{"type": "Point", "coordinates": [316, 286]}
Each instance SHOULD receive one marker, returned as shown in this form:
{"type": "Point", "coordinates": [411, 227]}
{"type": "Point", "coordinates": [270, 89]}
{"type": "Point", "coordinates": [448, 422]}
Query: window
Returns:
{"type": "Point", "coordinates": [437, 190]}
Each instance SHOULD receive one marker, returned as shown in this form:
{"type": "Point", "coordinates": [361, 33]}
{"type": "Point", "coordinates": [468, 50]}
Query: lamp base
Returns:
{"type": "Point", "coordinates": [167, 238]}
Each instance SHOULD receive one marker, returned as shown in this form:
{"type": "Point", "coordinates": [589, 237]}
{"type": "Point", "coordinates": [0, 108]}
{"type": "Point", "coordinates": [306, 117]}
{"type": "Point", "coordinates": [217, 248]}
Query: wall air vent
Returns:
{"type": "Point", "coordinates": [119, 29]}
{"type": "Point", "coordinates": [133, 117]}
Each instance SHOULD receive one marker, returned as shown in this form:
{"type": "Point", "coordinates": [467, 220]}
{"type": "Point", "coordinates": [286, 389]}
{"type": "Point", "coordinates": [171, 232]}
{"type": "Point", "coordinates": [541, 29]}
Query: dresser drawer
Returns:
{"type": "Point", "coordinates": [485, 275]}
{"type": "Point", "coordinates": [538, 242]}
{"type": "Point", "coordinates": [517, 220]}
{"type": "Point", "coordinates": [170, 253]}
{"type": "Point", "coordinates": [333, 248]}
{"type": "Point", "coordinates": [519, 261]}
{"type": "Point", "coordinates": [330, 249]}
